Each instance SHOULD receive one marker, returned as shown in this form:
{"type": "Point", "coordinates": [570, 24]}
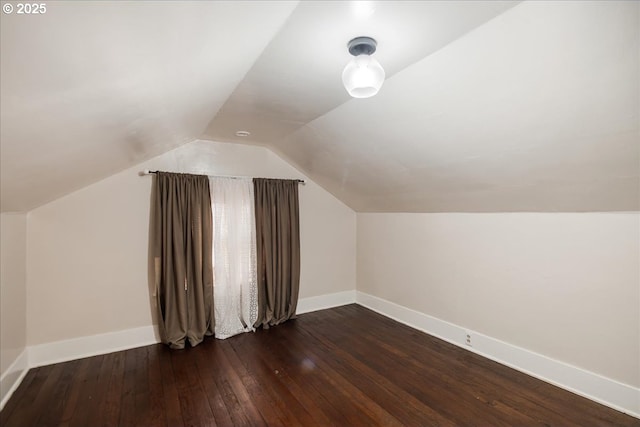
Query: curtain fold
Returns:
{"type": "Point", "coordinates": [277, 248]}
{"type": "Point", "coordinates": [181, 254]}
{"type": "Point", "coordinates": [234, 256]}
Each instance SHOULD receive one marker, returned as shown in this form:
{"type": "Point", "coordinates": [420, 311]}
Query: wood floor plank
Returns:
{"type": "Point", "coordinates": [236, 391]}
{"type": "Point", "coordinates": [157, 416]}
{"type": "Point", "coordinates": [127, 401]}
{"type": "Point", "coordinates": [276, 384]}
{"type": "Point", "coordinates": [436, 396]}
{"type": "Point", "coordinates": [71, 401]}
{"type": "Point", "coordinates": [42, 401]}
{"type": "Point", "coordinates": [346, 366]}
{"type": "Point", "coordinates": [381, 388]}
{"type": "Point", "coordinates": [312, 393]}
{"type": "Point", "coordinates": [91, 393]}
{"type": "Point", "coordinates": [474, 399]}
{"type": "Point", "coordinates": [209, 371]}
{"type": "Point", "coordinates": [144, 416]}
{"type": "Point", "coordinates": [343, 388]}
{"type": "Point", "coordinates": [469, 368]}
{"type": "Point", "coordinates": [110, 405]}
{"type": "Point", "coordinates": [17, 397]}
{"type": "Point", "coordinates": [55, 407]}
{"type": "Point", "coordinates": [270, 370]}
{"type": "Point", "coordinates": [171, 401]}
{"type": "Point", "coordinates": [194, 404]}
{"type": "Point", "coordinates": [22, 411]}
{"type": "Point", "coordinates": [303, 367]}
{"type": "Point", "coordinates": [271, 407]}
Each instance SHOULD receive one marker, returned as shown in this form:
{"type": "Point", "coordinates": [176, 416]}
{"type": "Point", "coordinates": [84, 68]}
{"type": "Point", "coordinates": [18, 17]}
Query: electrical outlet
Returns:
{"type": "Point", "coordinates": [468, 339]}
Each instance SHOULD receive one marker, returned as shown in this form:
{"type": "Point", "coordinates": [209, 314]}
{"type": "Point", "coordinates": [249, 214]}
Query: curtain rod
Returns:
{"type": "Point", "coordinates": [149, 172]}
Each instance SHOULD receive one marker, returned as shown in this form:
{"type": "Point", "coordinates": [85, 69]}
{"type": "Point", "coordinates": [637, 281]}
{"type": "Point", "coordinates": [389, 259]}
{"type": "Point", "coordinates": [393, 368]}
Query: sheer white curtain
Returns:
{"type": "Point", "coordinates": [234, 256]}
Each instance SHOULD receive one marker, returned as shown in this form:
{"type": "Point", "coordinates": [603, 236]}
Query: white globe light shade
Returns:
{"type": "Point", "coordinates": [363, 76]}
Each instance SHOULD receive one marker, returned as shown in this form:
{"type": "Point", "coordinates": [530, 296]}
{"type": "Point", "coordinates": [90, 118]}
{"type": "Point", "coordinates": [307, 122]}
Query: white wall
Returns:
{"type": "Point", "coordinates": [563, 285]}
{"type": "Point", "coordinates": [87, 252]}
{"type": "Point", "coordinates": [13, 303]}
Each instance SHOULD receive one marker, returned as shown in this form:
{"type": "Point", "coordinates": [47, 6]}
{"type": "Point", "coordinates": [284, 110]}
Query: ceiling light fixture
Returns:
{"type": "Point", "coordinates": [363, 76]}
{"type": "Point", "coordinates": [243, 133]}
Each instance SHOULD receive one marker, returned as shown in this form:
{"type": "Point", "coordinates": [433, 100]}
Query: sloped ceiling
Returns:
{"type": "Point", "coordinates": [92, 88]}
{"type": "Point", "coordinates": [487, 106]}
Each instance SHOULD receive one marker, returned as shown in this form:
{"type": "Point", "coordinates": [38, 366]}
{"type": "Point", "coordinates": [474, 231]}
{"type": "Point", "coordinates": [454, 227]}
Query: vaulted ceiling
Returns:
{"type": "Point", "coordinates": [487, 106]}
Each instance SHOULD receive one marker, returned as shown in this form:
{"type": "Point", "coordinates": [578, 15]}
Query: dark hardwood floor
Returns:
{"type": "Point", "coordinates": [346, 366]}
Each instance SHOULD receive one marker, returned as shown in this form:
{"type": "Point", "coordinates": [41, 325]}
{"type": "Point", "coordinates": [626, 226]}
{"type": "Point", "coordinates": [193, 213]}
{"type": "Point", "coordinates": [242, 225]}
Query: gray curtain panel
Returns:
{"type": "Point", "coordinates": [278, 249]}
{"type": "Point", "coordinates": [181, 240]}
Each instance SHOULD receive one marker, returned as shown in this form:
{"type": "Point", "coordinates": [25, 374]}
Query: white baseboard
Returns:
{"type": "Point", "coordinates": [13, 376]}
{"type": "Point", "coordinates": [306, 305]}
{"type": "Point", "coordinates": [78, 348]}
{"type": "Point", "coordinates": [606, 391]}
